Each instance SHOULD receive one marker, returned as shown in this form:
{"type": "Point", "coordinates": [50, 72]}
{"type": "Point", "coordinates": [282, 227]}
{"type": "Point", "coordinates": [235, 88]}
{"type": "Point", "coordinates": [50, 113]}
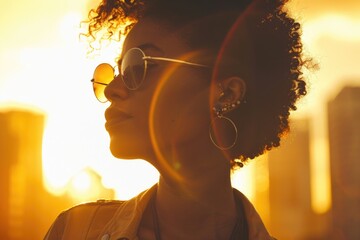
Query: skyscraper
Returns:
{"type": "Point", "coordinates": [344, 137]}
{"type": "Point", "coordinates": [291, 214]}
{"type": "Point", "coordinates": [21, 172]}
{"type": "Point", "coordinates": [26, 208]}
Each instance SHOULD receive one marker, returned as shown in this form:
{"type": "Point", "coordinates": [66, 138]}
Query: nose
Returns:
{"type": "Point", "coordinates": [116, 90]}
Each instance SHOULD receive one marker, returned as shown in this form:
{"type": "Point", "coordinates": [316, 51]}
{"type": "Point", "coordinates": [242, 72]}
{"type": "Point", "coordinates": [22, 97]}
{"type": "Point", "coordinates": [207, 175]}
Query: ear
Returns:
{"type": "Point", "coordinates": [234, 89]}
{"type": "Point", "coordinates": [231, 92]}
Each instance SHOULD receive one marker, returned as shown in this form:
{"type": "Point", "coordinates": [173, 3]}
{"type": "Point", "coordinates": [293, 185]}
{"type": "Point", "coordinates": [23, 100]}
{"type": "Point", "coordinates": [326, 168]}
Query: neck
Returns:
{"type": "Point", "coordinates": [194, 199]}
{"type": "Point", "coordinates": [201, 204]}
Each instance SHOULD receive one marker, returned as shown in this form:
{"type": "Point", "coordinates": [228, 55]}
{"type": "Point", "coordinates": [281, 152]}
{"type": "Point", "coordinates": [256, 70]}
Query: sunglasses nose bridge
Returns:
{"type": "Point", "coordinates": [116, 89]}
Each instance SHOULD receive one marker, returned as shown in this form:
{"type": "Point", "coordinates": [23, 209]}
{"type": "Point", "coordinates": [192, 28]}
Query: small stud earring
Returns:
{"type": "Point", "coordinates": [228, 107]}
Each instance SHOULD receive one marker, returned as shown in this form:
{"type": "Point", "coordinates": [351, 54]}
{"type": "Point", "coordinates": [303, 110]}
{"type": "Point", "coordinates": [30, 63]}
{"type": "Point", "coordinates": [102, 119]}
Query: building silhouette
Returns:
{"type": "Point", "coordinates": [7, 161]}
{"type": "Point", "coordinates": [344, 140]}
{"type": "Point", "coordinates": [291, 214]}
{"type": "Point", "coordinates": [27, 210]}
{"type": "Point", "coordinates": [20, 154]}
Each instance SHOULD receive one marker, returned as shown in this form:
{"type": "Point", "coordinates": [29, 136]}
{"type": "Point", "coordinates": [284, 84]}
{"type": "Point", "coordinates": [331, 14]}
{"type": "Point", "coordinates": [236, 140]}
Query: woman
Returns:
{"type": "Point", "coordinates": [203, 87]}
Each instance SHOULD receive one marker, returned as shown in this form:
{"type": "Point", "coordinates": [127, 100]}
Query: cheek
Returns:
{"type": "Point", "coordinates": [182, 115]}
{"type": "Point", "coordinates": [182, 108]}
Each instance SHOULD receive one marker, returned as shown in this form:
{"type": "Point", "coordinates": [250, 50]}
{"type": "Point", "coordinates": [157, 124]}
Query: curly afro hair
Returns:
{"type": "Point", "coordinates": [266, 51]}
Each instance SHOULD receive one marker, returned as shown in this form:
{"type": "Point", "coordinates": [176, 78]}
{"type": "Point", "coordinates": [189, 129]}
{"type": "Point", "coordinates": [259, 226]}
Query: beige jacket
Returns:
{"type": "Point", "coordinates": [119, 220]}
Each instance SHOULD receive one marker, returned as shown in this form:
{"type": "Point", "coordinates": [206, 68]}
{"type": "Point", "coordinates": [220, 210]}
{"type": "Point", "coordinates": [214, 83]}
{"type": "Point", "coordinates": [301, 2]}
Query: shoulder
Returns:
{"type": "Point", "coordinates": [100, 208]}
{"type": "Point", "coordinates": [257, 229]}
{"type": "Point", "coordinates": [91, 206]}
{"type": "Point", "coordinates": [79, 219]}
{"type": "Point", "coordinates": [91, 220]}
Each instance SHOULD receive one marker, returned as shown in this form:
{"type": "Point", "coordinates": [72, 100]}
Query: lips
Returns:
{"type": "Point", "coordinates": [114, 117]}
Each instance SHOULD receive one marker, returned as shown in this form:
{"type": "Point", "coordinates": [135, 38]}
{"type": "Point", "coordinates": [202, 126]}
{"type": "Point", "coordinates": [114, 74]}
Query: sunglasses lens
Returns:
{"type": "Point", "coordinates": [103, 75]}
{"type": "Point", "coordinates": [133, 68]}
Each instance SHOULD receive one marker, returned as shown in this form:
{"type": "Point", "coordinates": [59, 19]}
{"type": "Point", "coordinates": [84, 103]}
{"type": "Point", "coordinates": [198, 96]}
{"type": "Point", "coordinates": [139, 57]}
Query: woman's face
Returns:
{"type": "Point", "coordinates": [171, 106]}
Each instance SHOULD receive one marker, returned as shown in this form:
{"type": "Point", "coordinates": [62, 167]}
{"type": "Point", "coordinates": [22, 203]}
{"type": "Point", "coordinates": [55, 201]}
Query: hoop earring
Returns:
{"type": "Point", "coordinates": [213, 127]}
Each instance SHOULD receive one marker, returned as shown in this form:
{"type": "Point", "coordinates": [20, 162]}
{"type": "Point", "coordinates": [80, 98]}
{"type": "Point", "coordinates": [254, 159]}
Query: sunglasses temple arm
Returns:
{"type": "Point", "coordinates": [173, 60]}
{"type": "Point", "coordinates": [93, 81]}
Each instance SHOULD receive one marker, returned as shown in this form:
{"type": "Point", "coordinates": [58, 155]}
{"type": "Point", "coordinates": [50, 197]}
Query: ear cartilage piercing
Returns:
{"type": "Point", "coordinates": [227, 107]}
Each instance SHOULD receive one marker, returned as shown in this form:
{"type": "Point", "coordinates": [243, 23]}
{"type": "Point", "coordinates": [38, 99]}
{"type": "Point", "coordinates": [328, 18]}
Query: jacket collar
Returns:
{"type": "Point", "coordinates": [126, 220]}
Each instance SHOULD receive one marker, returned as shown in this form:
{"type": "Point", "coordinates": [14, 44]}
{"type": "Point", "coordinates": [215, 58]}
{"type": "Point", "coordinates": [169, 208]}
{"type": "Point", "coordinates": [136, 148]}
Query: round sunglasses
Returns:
{"type": "Point", "coordinates": [133, 69]}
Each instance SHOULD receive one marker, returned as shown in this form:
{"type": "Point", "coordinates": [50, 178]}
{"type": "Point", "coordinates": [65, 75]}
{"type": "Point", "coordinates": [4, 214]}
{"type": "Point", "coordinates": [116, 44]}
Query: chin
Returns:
{"type": "Point", "coordinates": [128, 150]}
{"type": "Point", "coordinates": [123, 152]}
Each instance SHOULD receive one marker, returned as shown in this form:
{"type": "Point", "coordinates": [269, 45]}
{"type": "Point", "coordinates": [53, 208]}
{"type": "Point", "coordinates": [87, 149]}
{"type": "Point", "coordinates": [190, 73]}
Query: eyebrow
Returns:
{"type": "Point", "coordinates": [143, 47]}
{"type": "Point", "coordinates": [146, 46]}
